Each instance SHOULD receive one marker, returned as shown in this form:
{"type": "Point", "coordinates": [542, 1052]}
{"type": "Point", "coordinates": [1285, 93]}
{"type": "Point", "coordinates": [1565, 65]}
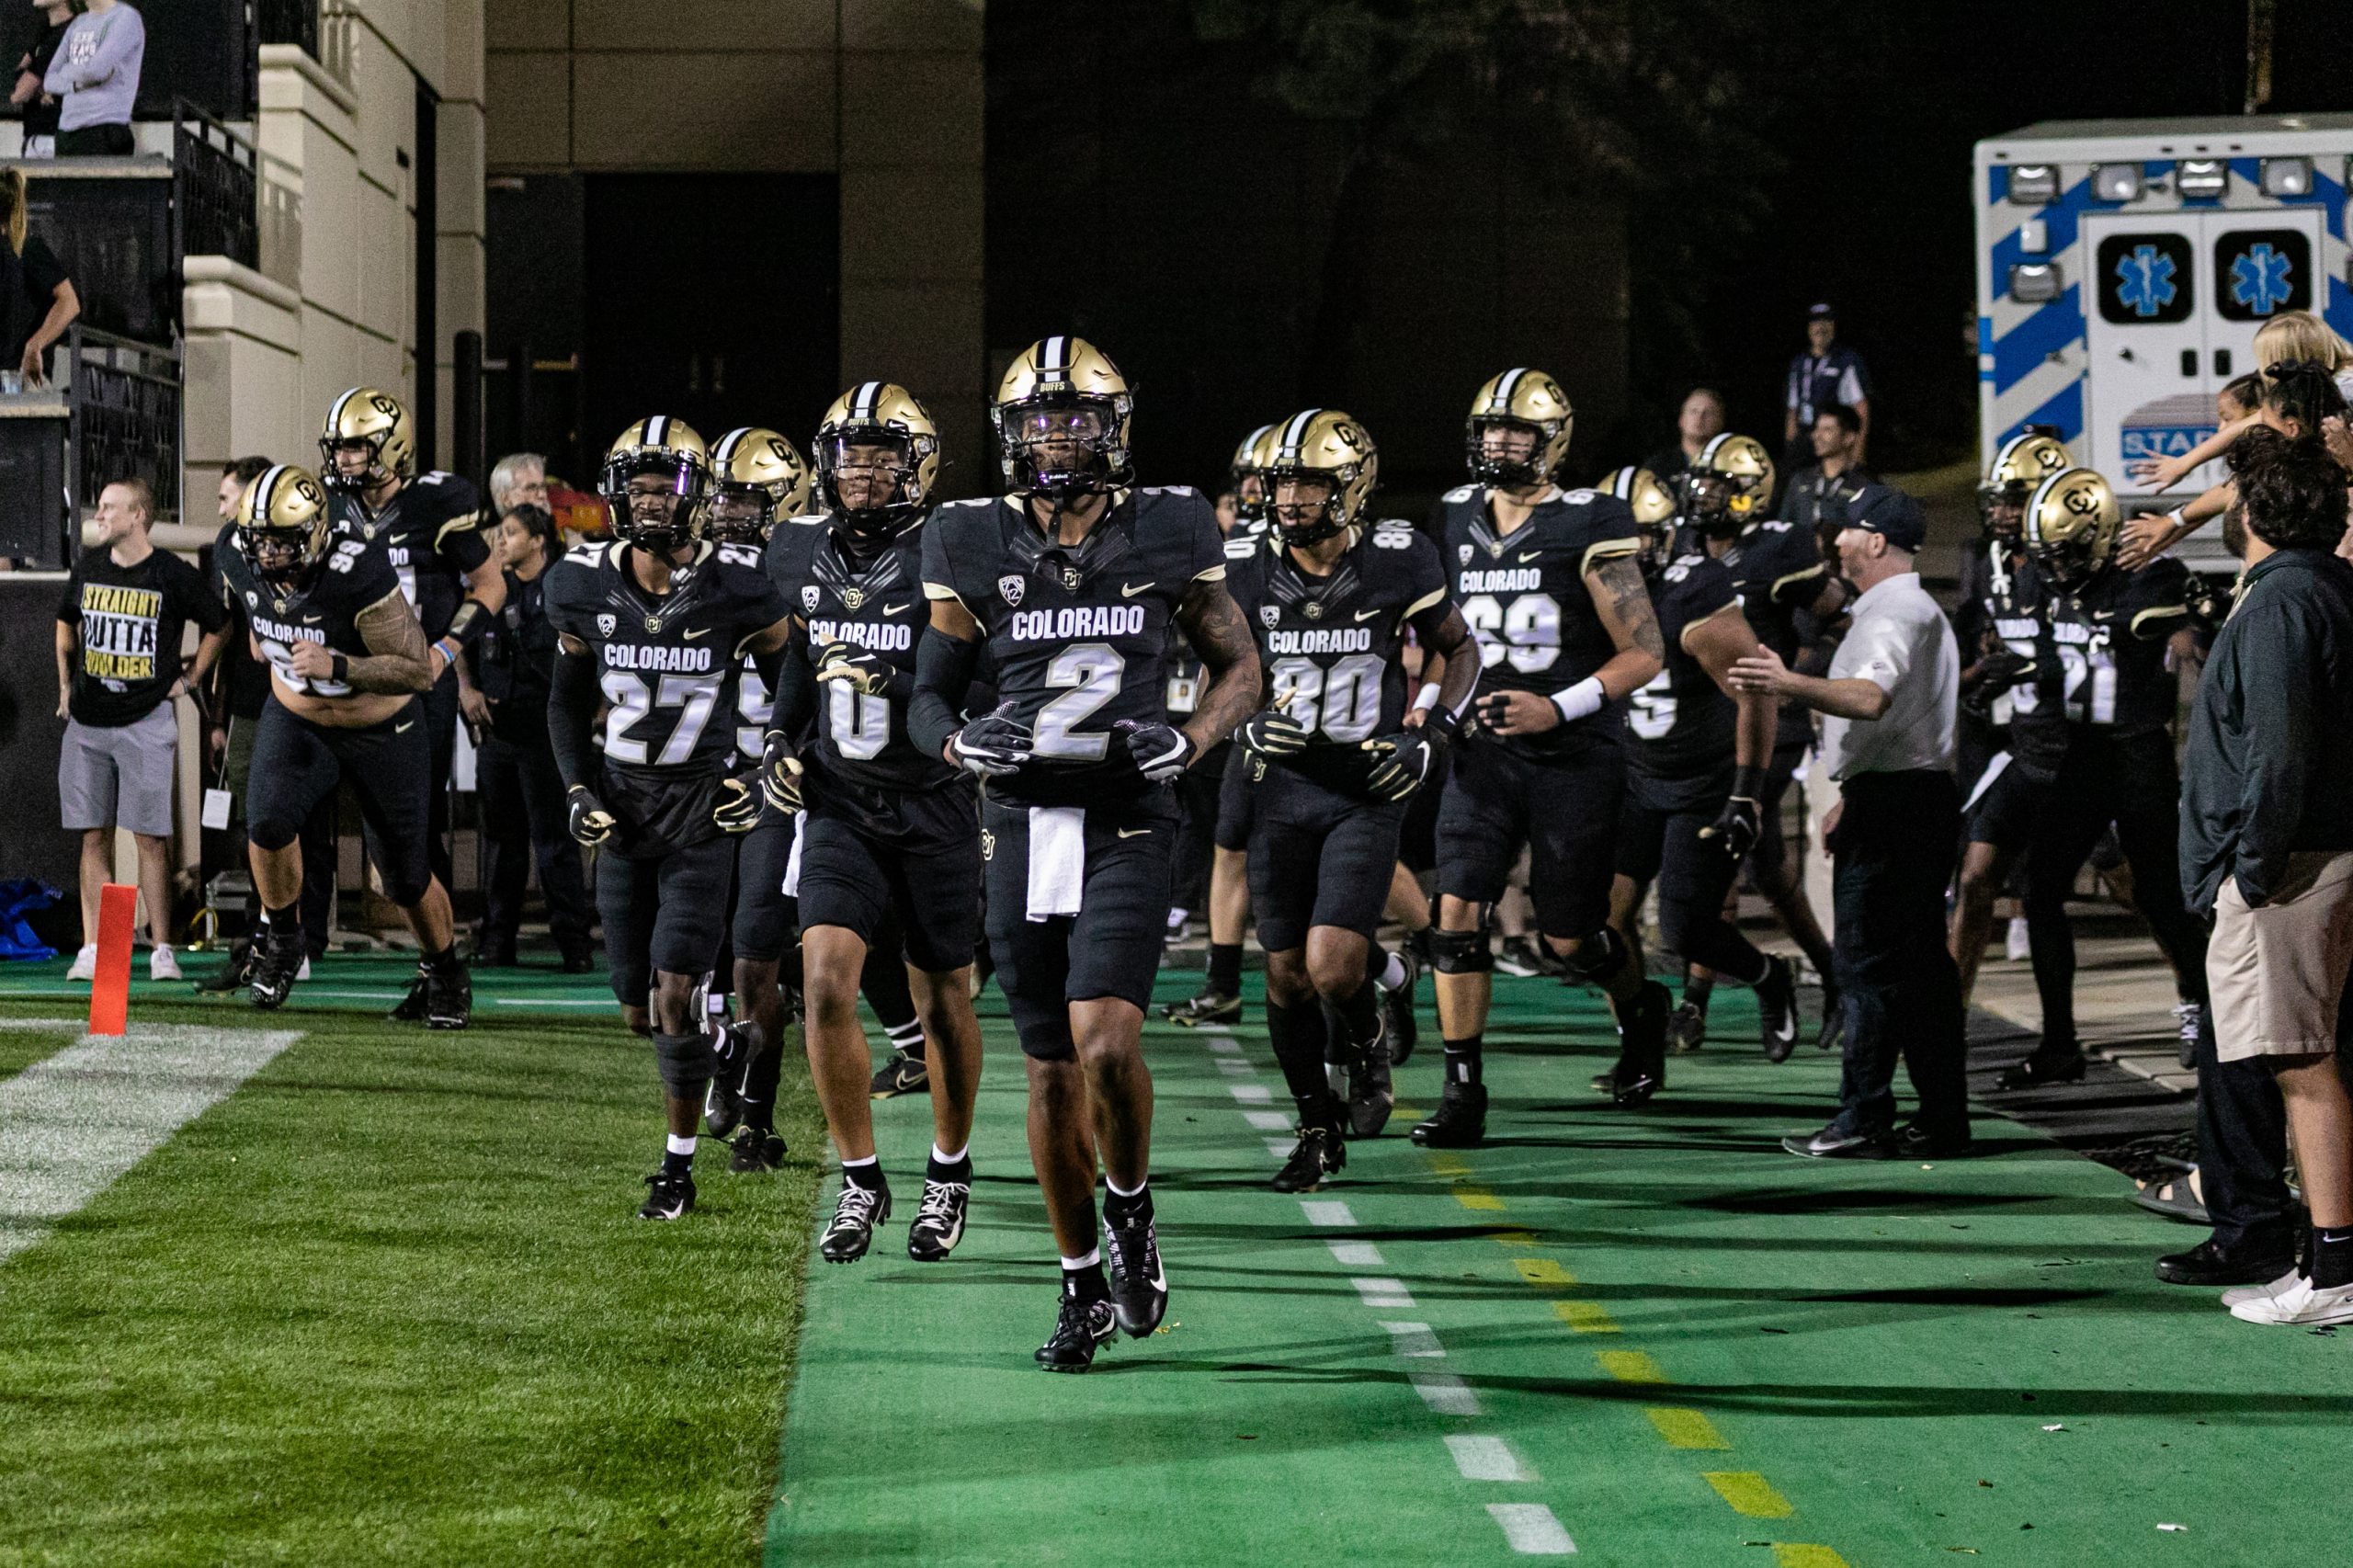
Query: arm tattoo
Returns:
{"type": "Point", "coordinates": [1212, 624]}
{"type": "Point", "coordinates": [1621, 581]}
{"type": "Point", "coordinates": [1451, 640]}
{"type": "Point", "coordinates": [396, 660]}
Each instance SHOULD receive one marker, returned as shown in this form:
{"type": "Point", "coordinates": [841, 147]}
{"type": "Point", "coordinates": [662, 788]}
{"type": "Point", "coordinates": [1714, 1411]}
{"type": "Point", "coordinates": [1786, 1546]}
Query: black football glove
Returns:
{"type": "Point", "coordinates": [992, 745]}
{"type": "Point", "coordinates": [2004, 668]}
{"type": "Point", "coordinates": [1161, 751]}
{"type": "Point", "coordinates": [1741, 823]}
{"type": "Point", "coordinates": [1273, 733]}
{"type": "Point", "coordinates": [1404, 762]}
{"type": "Point", "coordinates": [779, 772]}
{"type": "Point", "coordinates": [865, 672]}
{"type": "Point", "coordinates": [740, 802]}
{"type": "Point", "coordinates": [585, 816]}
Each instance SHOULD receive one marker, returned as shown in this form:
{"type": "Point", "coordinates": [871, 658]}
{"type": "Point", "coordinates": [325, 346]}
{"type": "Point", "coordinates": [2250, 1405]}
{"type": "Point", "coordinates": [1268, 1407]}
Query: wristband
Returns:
{"type": "Point", "coordinates": [1748, 782]}
{"type": "Point", "coordinates": [448, 648]}
{"type": "Point", "coordinates": [342, 667]}
{"type": "Point", "coordinates": [1581, 700]}
{"type": "Point", "coordinates": [1426, 698]}
{"type": "Point", "coordinates": [1442, 721]}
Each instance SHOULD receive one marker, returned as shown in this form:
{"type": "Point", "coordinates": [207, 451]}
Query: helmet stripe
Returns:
{"type": "Point", "coordinates": [655, 429]}
{"type": "Point", "coordinates": [335, 414]}
{"type": "Point", "coordinates": [861, 402]}
{"type": "Point", "coordinates": [269, 482]}
{"type": "Point", "coordinates": [1507, 386]}
{"type": "Point", "coordinates": [1296, 431]}
{"type": "Point", "coordinates": [1054, 361]}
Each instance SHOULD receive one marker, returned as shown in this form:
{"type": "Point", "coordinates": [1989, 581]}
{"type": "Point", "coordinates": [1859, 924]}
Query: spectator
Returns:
{"type": "Point", "coordinates": [36, 300]}
{"type": "Point", "coordinates": [95, 79]}
{"type": "Point", "coordinates": [1889, 702]}
{"type": "Point", "coordinates": [1699, 421]}
{"type": "Point", "coordinates": [31, 93]}
{"type": "Point", "coordinates": [1837, 437]}
{"type": "Point", "coordinates": [117, 670]}
{"type": "Point", "coordinates": [2268, 836]}
{"type": "Point", "coordinates": [519, 479]}
{"type": "Point", "coordinates": [1827, 373]}
{"type": "Point", "coordinates": [523, 811]}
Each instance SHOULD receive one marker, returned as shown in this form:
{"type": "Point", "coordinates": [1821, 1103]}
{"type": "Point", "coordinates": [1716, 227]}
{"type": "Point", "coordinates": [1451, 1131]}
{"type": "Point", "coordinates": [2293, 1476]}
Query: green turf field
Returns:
{"type": "Point", "coordinates": [384, 1303]}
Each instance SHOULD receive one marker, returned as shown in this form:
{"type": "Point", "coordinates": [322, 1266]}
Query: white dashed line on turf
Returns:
{"type": "Point", "coordinates": [1486, 1459]}
{"type": "Point", "coordinates": [1445, 1394]}
{"type": "Point", "coordinates": [1532, 1530]}
{"type": "Point", "coordinates": [1357, 1255]}
{"type": "Point", "coordinates": [1327, 1212]}
{"type": "Point", "coordinates": [1226, 1045]}
{"type": "Point", "coordinates": [1414, 1341]}
{"type": "Point", "coordinates": [1236, 1066]}
{"type": "Point", "coordinates": [1382, 1292]}
{"type": "Point", "coordinates": [1268, 1120]}
{"type": "Point", "coordinates": [1251, 1093]}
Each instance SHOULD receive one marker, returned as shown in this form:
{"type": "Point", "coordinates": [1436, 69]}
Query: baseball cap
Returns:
{"type": "Point", "coordinates": [1820, 311]}
{"type": "Point", "coordinates": [1888, 512]}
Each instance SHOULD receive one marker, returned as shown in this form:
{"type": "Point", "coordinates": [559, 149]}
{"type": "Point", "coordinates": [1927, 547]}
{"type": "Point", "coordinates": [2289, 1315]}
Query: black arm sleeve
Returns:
{"type": "Point", "coordinates": [572, 716]}
{"type": "Point", "coordinates": [944, 669]}
{"type": "Point", "coordinates": [468, 623]}
{"type": "Point", "coordinates": [796, 693]}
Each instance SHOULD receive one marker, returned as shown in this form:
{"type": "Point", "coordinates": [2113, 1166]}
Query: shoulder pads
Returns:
{"type": "Point", "coordinates": [1461, 492]}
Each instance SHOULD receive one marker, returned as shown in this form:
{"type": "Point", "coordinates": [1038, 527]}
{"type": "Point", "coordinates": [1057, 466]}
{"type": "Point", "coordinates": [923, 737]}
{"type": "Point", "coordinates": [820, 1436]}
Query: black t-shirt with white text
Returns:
{"type": "Point", "coordinates": [127, 622]}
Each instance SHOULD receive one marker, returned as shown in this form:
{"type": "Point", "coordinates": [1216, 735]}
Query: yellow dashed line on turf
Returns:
{"type": "Point", "coordinates": [1686, 1428]}
{"type": "Point", "coordinates": [1750, 1495]}
{"type": "Point", "coordinates": [1631, 1365]}
{"type": "Point", "coordinates": [1585, 1317]}
{"type": "Point", "coordinates": [1542, 1272]}
{"type": "Point", "coordinates": [1786, 1554]}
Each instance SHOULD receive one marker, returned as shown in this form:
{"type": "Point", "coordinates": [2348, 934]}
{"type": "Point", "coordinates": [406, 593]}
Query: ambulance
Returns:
{"type": "Point", "coordinates": [2124, 266]}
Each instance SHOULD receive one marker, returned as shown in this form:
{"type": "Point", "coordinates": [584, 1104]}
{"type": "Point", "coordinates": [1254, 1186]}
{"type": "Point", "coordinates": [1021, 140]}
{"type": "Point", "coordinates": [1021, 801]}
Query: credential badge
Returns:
{"type": "Point", "coordinates": [1009, 588]}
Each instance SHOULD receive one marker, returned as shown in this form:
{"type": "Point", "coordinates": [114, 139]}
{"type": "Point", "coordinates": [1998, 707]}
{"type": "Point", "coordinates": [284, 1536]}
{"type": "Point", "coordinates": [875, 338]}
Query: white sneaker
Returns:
{"type": "Point", "coordinates": [2237, 1293]}
{"type": "Point", "coordinates": [164, 964]}
{"type": "Point", "coordinates": [2303, 1305]}
{"type": "Point", "coordinates": [86, 963]}
{"type": "Point", "coordinates": [304, 972]}
{"type": "Point", "coordinates": [2018, 948]}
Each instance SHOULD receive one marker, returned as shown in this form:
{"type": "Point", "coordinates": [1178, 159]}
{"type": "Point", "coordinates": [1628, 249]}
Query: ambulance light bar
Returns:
{"type": "Point", "coordinates": [2202, 176]}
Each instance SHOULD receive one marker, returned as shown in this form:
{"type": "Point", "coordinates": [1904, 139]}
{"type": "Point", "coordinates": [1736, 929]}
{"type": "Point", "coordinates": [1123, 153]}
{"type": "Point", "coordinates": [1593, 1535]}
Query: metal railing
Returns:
{"type": "Point", "coordinates": [215, 180]}
{"type": "Point", "coordinates": [288, 21]}
{"type": "Point", "coordinates": [124, 406]}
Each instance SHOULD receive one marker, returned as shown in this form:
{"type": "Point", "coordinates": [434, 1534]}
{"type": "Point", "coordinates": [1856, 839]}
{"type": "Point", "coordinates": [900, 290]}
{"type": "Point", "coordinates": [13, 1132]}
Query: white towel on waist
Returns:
{"type": "Point", "coordinates": [792, 861]}
{"type": "Point", "coordinates": [1985, 779]}
{"type": "Point", "coordinates": [1057, 861]}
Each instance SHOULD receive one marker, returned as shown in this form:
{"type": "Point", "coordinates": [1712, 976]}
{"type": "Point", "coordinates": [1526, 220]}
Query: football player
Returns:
{"type": "Point", "coordinates": [1215, 792]}
{"type": "Point", "coordinates": [1333, 759]}
{"type": "Point", "coordinates": [1694, 779]}
{"type": "Point", "coordinates": [1785, 589]}
{"type": "Point", "coordinates": [2092, 743]}
{"type": "Point", "coordinates": [1072, 582]}
{"type": "Point", "coordinates": [891, 832]}
{"type": "Point", "coordinates": [1550, 584]}
{"type": "Point", "coordinates": [655, 626]}
{"type": "Point", "coordinates": [429, 528]}
{"type": "Point", "coordinates": [347, 662]}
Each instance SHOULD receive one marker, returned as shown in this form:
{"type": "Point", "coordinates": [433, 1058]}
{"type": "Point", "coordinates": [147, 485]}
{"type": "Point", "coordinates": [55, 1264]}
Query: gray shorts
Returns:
{"type": "Point", "coordinates": [119, 776]}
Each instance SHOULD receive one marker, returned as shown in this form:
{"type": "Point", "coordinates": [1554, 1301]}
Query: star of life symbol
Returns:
{"type": "Point", "coordinates": [2145, 281]}
{"type": "Point", "coordinates": [2259, 278]}
{"type": "Point", "coordinates": [1009, 588]}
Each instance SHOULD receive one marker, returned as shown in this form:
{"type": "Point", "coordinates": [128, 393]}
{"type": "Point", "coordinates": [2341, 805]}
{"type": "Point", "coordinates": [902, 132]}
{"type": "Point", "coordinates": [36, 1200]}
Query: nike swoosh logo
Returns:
{"type": "Point", "coordinates": [1133, 832]}
{"type": "Point", "coordinates": [1368, 614]}
{"type": "Point", "coordinates": [1530, 554]}
{"type": "Point", "coordinates": [893, 609]}
{"type": "Point", "coordinates": [312, 620]}
{"type": "Point", "coordinates": [405, 729]}
{"type": "Point", "coordinates": [704, 632]}
{"type": "Point", "coordinates": [1130, 590]}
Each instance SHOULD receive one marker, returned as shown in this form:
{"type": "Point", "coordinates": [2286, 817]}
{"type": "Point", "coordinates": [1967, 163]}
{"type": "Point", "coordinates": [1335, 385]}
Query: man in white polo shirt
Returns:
{"type": "Point", "coordinates": [1887, 736]}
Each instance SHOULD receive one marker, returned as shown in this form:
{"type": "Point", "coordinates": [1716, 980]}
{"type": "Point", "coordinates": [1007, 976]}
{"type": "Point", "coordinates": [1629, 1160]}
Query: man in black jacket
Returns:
{"type": "Point", "coordinates": [2268, 835]}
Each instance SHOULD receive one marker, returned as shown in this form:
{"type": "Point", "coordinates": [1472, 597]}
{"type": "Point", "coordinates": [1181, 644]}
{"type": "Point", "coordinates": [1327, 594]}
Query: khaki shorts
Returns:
{"type": "Point", "coordinates": [119, 775]}
{"type": "Point", "coordinates": [2276, 972]}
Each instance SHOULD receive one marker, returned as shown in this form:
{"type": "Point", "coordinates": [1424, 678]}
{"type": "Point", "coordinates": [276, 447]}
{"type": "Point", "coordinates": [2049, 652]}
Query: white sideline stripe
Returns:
{"type": "Point", "coordinates": [1357, 1255]}
{"type": "Point", "coordinates": [1414, 1341]}
{"type": "Point", "coordinates": [1383, 1292]}
{"type": "Point", "coordinates": [1445, 1393]}
{"type": "Point", "coordinates": [1252, 1094]}
{"type": "Point", "coordinates": [1486, 1459]}
{"type": "Point", "coordinates": [1226, 1045]}
{"type": "Point", "coordinates": [1268, 1120]}
{"type": "Point", "coordinates": [1327, 1212]}
{"type": "Point", "coordinates": [73, 1123]}
{"type": "Point", "coordinates": [1532, 1530]}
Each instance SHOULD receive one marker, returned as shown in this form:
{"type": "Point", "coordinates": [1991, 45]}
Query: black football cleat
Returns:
{"type": "Point", "coordinates": [670, 1196]}
{"type": "Point", "coordinates": [277, 959]}
{"type": "Point", "coordinates": [723, 1102]}
{"type": "Point", "coordinates": [1460, 1121]}
{"type": "Point", "coordinates": [939, 1220]}
{"type": "Point", "coordinates": [1209, 1007]}
{"type": "Point", "coordinates": [2057, 1067]}
{"type": "Point", "coordinates": [1686, 1031]}
{"type": "Point", "coordinates": [902, 1075]}
{"type": "Point", "coordinates": [1404, 1030]}
{"type": "Point", "coordinates": [449, 997]}
{"type": "Point", "coordinates": [723, 1107]}
{"type": "Point", "coordinates": [1835, 1142]}
{"type": "Point", "coordinates": [1085, 1327]}
{"type": "Point", "coordinates": [234, 975]}
{"type": "Point", "coordinates": [856, 1214]}
{"type": "Point", "coordinates": [755, 1150]}
{"type": "Point", "coordinates": [1320, 1153]}
{"type": "Point", "coordinates": [1777, 1008]}
{"type": "Point", "coordinates": [1139, 1283]}
{"type": "Point", "coordinates": [1371, 1093]}
{"type": "Point", "coordinates": [410, 1008]}
{"type": "Point", "coordinates": [1642, 1047]}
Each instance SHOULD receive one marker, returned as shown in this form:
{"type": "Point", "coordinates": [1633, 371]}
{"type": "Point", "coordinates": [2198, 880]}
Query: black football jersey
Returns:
{"type": "Point", "coordinates": [1682, 722]}
{"type": "Point", "coordinates": [669, 665]}
{"type": "Point", "coordinates": [1077, 637]}
{"type": "Point", "coordinates": [1778, 571]}
{"type": "Point", "coordinates": [880, 608]}
{"type": "Point", "coordinates": [352, 580]}
{"type": "Point", "coordinates": [430, 534]}
{"type": "Point", "coordinates": [2101, 657]}
{"type": "Point", "coordinates": [1524, 596]}
{"type": "Point", "coordinates": [2013, 602]}
{"type": "Point", "coordinates": [1335, 643]}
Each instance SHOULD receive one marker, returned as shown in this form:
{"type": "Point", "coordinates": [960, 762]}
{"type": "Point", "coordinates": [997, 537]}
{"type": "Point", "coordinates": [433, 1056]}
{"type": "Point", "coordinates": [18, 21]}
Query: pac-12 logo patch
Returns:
{"type": "Point", "coordinates": [1463, 552]}
{"type": "Point", "coordinates": [1269, 615]}
{"type": "Point", "coordinates": [809, 597]}
{"type": "Point", "coordinates": [1009, 588]}
{"type": "Point", "coordinates": [605, 624]}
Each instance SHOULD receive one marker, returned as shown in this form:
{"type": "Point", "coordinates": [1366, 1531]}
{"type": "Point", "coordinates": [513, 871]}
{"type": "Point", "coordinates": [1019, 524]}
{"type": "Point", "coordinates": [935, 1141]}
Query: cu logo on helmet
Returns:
{"type": "Point", "coordinates": [2080, 500]}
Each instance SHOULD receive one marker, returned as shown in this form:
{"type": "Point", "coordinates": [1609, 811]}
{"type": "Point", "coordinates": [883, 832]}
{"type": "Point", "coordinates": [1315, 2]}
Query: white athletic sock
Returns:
{"type": "Point", "coordinates": [1119, 1191]}
{"type": "Point", "coordinates": [1392, 973]}
{"type": "Point", "coordinates": [956, 1158]}
{"type": "Point", "coordinates": [852, 1164]}
{"type": "Point", "coordinates": [678, 1145]}
{"type": "Point", "coordinates": [1094, 1256]}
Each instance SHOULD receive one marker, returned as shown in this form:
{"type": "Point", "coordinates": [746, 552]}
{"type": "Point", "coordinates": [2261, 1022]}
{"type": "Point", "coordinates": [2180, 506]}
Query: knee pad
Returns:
{"type": "Point", "coordinates": [684, 1062]}
{"type": "Point", "coordinates": [271, 833]}
{"type": "Point", "coordinates": [1597, 957]}
{"type": "Point", "coordinates": [1461, 952]}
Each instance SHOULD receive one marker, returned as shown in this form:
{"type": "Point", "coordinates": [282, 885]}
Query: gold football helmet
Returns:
{"type": "Point", "coordinates": [282, 526]}
{"type": "Point", "coordinates": [2024, 462]}
{"type": "Point", "coordinates": [1729, 486]}
{"type": "Point", "coordinates": [1327, 445]}
{"type": "Point", "coordinates": [670, 450]}
{"type": "Point", "coordinates": [2070, 523]}
{"type": "Point", "coordinates": [378, 421]}
{"type": "Point", "coordinates": [878, 416]}
{"type": "Point", "coordinates": [1247, 475]}
{"type": "Point", "coordinates": [1525, 400]}
{"type": "Point", "coordinates": [759, 466]}
{"type": "Point", "coordinates": [1062, 416]}
{"type": "Point", "coordinates": [1651, 503]}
